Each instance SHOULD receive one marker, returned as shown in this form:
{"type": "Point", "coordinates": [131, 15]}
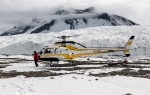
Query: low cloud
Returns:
{"type": "Point", "coordinates": [14, 12]}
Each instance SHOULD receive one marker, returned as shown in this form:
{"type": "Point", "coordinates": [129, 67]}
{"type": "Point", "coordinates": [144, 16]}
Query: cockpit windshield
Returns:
{"type": "Point", "coordinates": [49, 50]}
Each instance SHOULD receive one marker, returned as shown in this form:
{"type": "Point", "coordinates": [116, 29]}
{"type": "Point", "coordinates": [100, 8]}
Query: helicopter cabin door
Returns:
{"type": "Point", "coordinates": [52, 54]}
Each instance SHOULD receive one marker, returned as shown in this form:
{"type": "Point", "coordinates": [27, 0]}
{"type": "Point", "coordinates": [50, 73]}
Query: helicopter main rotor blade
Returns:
{"type": "Point", "coordinates": [63, 37]}
{"type": "Point", "coordinates": [72, 36]}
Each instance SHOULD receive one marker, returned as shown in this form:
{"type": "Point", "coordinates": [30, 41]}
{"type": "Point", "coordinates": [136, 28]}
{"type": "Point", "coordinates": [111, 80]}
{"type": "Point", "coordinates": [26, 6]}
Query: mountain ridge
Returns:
{"type": "Point", "coordinates": [75, 19]}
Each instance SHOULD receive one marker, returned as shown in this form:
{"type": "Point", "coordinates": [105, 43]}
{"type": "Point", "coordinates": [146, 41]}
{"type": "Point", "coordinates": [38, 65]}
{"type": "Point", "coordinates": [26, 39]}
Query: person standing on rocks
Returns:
{"type": "Point", "coordinates": [36, 58]}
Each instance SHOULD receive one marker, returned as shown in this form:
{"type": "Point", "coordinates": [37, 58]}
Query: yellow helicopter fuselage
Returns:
{"type": "Point", "coordinates": [69, 51]}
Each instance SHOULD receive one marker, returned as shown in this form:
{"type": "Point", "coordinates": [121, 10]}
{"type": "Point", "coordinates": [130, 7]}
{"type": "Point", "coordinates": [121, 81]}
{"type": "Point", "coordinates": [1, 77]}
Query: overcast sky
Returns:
{"type": "Point", "coordinates": [14, 11]}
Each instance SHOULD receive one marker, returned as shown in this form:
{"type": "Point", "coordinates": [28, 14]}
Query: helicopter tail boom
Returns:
{"type": "Point", "coordinates": [127, 46]}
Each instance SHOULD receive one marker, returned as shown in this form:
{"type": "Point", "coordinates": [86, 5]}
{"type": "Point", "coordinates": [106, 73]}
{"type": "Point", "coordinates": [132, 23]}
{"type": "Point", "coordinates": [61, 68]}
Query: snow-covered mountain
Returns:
{"type": "Point", "coordinates": [102, 36]}
{"type": "Point", "coordinates": [68, 20]}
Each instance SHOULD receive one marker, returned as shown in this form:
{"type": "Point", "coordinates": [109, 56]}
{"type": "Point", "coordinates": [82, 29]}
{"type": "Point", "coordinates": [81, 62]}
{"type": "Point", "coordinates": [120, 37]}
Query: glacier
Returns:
{"type": "Point", "coordinates": [102, 36]}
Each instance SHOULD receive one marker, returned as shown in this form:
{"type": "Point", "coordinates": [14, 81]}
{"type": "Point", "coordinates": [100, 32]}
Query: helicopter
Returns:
{"type": "Point", "coordinates": [69, 50]}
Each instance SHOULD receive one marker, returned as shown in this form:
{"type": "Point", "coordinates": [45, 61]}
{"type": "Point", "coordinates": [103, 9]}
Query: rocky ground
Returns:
{"type": "Point", "coordinates": [128, 69]}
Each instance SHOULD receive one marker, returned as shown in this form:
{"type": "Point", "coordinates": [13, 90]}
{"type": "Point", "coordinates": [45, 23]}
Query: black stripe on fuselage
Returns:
{"type": "Point", "coordinates": [49, 59]}
{"type": "Point", "coordinates": [127, 55]}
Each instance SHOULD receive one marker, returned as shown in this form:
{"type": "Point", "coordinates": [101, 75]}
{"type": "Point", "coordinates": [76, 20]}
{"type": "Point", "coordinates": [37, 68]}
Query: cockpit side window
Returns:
{"type": "Point", "coordinates": [46, 51]}
{"type": "Point", "coordinates": [49, 50]}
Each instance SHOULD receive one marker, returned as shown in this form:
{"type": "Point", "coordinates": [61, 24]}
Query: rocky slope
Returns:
{"type": "Point", "coordinates": [69, 19]}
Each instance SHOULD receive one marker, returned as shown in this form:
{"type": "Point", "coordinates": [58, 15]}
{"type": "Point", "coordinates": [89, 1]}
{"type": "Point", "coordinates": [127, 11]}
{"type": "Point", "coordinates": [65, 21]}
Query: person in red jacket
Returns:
{"type": "Point", "coordinates": [36, 58]}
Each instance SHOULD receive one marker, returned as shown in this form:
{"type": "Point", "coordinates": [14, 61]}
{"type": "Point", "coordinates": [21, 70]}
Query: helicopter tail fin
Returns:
{"type": "Point", "coordinates": [127, 46]}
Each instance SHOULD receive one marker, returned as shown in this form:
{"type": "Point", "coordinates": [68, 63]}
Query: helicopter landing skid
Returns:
{"type": "Point", "coordinates": [62, 65]}
{"type": "Point", "coordinates": [69, 64]}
